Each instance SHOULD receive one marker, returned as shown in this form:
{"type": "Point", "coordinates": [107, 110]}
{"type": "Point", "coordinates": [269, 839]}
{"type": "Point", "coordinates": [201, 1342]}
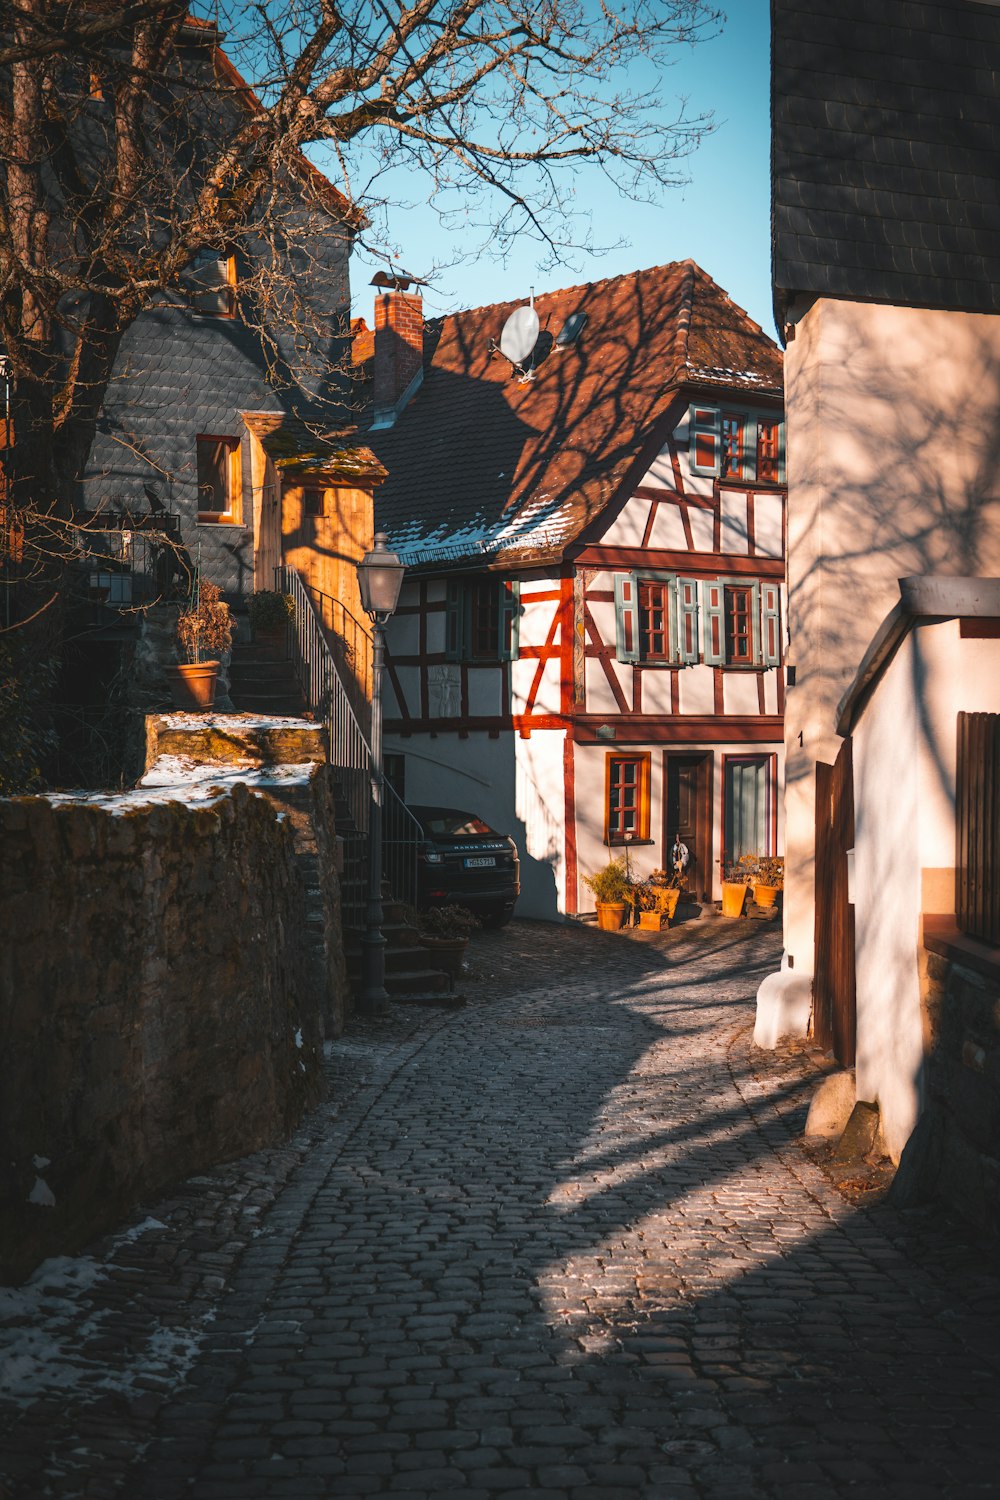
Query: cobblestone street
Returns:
{"type": "Point", "coordinates": [561, 1243]}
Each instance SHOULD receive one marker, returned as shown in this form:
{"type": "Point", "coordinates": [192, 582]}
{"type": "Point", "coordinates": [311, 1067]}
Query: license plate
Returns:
{"type": "Point", "coordinates": [482, 862]}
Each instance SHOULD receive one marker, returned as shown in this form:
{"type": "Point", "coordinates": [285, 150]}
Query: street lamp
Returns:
{"type": "Point", "coordinates": [380, 578]}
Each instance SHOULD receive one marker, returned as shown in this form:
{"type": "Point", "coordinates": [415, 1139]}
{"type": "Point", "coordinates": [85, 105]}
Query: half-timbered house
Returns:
{"type": "Point", "coordinates": [588, 648]}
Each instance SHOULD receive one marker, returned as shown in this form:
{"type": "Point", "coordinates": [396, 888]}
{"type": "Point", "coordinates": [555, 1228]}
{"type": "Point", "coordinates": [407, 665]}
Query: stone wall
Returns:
{"type": "Point", "coordinates": [156, 1013]}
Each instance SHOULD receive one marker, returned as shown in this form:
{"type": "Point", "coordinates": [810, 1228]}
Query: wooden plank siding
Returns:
{"type": "Point", "coordinates": [834, 987]}
{"type": "Point", "coordinates": [977, 827]}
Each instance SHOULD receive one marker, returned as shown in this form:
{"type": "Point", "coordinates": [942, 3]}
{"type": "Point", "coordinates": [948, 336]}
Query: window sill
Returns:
{"type": "Point", "coordinates": [629, 843]}
{"type": "Point", "coordinates": [943, 937]}
{"type": "Point", "coordinates": [213, 520]}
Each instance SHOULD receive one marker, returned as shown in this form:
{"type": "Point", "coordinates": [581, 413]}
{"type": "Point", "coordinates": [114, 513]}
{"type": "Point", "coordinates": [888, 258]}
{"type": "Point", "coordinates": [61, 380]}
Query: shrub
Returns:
{"type": "Point", "coordinates": [611, 884]}
{"type": "Point", "coordinates": [270, 610]}
{"type": "Point", "coordinates": [206, 627]}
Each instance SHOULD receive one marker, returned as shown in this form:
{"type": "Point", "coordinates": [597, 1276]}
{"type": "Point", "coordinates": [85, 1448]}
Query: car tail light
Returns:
{"type": "Point", "coordinates": [431, 855]}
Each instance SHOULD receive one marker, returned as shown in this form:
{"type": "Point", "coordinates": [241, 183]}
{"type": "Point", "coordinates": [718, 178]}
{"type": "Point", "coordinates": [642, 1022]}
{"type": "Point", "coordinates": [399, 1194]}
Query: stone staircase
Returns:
{"type": "Point", "coordinates": [410, 975]}
{"type": "Point", "coordinates": [262, 680]}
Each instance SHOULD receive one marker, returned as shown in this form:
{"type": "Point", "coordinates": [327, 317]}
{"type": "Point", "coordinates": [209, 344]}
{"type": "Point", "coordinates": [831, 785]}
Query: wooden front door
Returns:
{"type": "Point", "coordinates": [687, 810]}
{"type": "Point", "coordinates": [834, 988]}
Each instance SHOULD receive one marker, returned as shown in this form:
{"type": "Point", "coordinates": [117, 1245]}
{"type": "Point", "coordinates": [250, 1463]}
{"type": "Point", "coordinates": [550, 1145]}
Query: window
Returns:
{"type": "Point", "coordinates": [732, 446]}
{"type": "Point", "coordinates": [481, 619]}
{"type": "Point", "coordinates": [769, 452]}
{"type": "Point", "coordinates": [738, 624]}
{"type": "Point", "coordinates": [211, 279]}
{"type": "Point", "coordinates": [654, 620]}
{"type": "Point", "coordinates": [219, 479]}
{"type": "Point", "coordinates": [747, 794]}
{"type": "Point", "coordinates": [660, 619]}
{"type": "Point", "coordinates": [314, 500]}
{"type": "Point", "coordinates": [736, 445]}
{"type": "Point", "coordinates": [626, 798]}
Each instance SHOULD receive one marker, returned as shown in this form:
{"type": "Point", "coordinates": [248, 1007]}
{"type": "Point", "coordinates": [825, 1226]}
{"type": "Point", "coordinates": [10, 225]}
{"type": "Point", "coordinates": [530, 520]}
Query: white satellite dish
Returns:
{"type": "Point", "coordinates": [520, 335]}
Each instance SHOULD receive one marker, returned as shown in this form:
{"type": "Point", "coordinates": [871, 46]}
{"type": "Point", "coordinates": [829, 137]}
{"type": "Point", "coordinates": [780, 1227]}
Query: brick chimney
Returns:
{"type": "Point", "coordinates": [399, 351]}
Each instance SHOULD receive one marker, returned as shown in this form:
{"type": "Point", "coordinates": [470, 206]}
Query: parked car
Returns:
{"type": "Point", "coordinates": [465, 861]}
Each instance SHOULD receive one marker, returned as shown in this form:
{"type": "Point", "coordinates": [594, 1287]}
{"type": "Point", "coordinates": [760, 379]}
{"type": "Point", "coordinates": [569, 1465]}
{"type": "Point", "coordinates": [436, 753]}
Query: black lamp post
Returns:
{"type": "Point", "coordinates": [380, 578]}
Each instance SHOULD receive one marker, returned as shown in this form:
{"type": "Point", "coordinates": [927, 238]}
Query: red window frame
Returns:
{"type": "Point", "coordinates": [219, 477]}
{"type": "Point", "coordinates": [732, 445]}
{"type": "Point", "coordinates": [654, 620]}
{"type": "Point", "coordinates": [737, 629]}
{"type": "Point", "coordinates": [769, 451]}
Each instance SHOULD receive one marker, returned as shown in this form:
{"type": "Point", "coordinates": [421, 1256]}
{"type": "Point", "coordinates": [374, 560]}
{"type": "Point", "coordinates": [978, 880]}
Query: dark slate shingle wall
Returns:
{"type": "Point", "coordinates": [178, 375]}
{"type": "Point", "coordinates": [886, 151]}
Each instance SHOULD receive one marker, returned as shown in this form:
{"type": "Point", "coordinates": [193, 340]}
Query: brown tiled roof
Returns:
{"type": "Point", "coordinates": [480, 462]}
{"type": "Point", "coordinates": [294, 444]}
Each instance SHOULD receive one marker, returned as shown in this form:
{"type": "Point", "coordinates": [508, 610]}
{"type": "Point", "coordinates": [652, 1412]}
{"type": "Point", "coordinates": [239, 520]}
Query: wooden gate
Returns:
{"type": "Point", "coordinates": [834, 992]}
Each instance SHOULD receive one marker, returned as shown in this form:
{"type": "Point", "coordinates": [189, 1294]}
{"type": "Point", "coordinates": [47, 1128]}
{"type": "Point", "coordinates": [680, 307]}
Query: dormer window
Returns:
{"type": "Point", "coordinates": [736, 445]}
{"type": "Point", "coordinates": [211, 279]}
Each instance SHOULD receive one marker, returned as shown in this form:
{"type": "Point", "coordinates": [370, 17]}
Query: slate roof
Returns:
{"type": "Point", "coordinates": [885, 134]}
{"type": "Point", "coordinates": [481, 463]}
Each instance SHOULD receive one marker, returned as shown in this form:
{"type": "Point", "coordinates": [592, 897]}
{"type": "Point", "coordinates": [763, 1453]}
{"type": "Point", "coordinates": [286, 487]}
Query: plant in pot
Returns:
{"type": "Point", "coordinates": [658, 897]}
{"type": "Point", "coordinates": [446, 930]}
{"type": "Point", "coordinates": [271, 613]}
{"type": "Point", "coordinates": [204, 634]}
{"type": "Point", "coordinates": [738, 875]}
{"type": "Point", "coordinates": [768, 879]}
{"type": "Point", "coordinates": [613, 894]}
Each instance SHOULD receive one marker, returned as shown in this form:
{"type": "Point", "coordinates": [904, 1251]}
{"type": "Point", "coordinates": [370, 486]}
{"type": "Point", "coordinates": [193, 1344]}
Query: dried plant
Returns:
{"type": "Point", "coordinates": [205, 631]}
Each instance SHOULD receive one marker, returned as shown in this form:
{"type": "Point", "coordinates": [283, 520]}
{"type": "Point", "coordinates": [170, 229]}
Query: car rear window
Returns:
{"type": "Point", "coordinates": [454, 825]}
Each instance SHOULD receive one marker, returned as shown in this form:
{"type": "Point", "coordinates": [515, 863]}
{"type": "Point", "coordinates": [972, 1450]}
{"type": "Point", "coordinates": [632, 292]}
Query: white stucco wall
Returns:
{"type": "Point", "coordinates": [517, 785]}
{"type": "Point", "coordinates": [893, 429]}
{"type": "Point", "coordinates": [904, 785]}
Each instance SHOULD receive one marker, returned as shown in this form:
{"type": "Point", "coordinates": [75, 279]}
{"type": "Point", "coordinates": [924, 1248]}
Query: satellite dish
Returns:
{"type": "Point", "coordinates": [520, 335]}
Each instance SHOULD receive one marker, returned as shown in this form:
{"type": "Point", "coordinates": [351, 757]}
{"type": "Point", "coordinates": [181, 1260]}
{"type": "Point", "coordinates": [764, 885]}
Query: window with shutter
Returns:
{"type": "Point", "coordinates": [219, 479]}
{"type": "Point", "coordinates": [733, 427]}
{"type": "Point", "coordinates": [212, 279]}
{"type": "Point", "coordinates": [770, 620]}
{"type": "Point", "coordinates": [703, 440]}
{"type": "Point", "coordinates": [482, 618]}
{"type": "Point", "coordinates": [626, 617]}
{"type": "Point", "coordinates": [688, 643]}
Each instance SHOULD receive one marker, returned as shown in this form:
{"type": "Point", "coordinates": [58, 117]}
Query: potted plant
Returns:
{"type": "Point", "coordinates": [613, 894]}
{"type": "Point", "coordinates": [204, 634]}
{"type": "Point", "coordinates": [737, 877]}
{"type": "Point", "coordinates": [271, 613]}
{"type": "Point", "coordinates": [769, 879]}
{"type": "Point", "coordinates": [446, 930]}
{"type": "Point", "coordinates": [657, 899]}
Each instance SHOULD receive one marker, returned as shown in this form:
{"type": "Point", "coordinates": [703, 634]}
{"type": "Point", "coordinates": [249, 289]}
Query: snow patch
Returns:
{"type": "Point", "coordinates": [42, 1194]}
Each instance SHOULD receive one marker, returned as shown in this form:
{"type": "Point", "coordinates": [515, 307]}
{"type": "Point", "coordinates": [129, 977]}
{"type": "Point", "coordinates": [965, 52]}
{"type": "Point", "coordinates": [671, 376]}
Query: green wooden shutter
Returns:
{"type": "Point", "coordinates": [454, 620]}
{"type": "Point", "coordinates": [703, 439]}
{"type": "Point", "coordinates": [510, 617]}
{"type": "Point", "coordinates": [626, 617]}
{"type": "Point", "coordinates": [770, 620]}
{"type": "Point", "coordinates": [688, 644]}
{"type": "Point", "coordinates": [713, 621]}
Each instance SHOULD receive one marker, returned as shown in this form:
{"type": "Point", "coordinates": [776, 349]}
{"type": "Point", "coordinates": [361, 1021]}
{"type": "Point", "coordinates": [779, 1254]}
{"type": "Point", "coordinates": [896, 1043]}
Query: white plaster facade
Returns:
{"type": "Point", "coordinates": [893, 418]}
{"type": "Point", "coordinates": [904, 747]}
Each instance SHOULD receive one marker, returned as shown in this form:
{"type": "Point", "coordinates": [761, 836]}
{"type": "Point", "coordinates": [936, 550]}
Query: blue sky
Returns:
{"type": "Point", "coordinates": [721, 218]}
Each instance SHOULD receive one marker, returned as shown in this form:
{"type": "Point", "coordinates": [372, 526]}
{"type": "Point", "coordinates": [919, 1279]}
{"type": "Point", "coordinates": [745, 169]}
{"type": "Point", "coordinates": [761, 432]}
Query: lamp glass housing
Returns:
{"type": "Point", "coordinates": [380, 578]}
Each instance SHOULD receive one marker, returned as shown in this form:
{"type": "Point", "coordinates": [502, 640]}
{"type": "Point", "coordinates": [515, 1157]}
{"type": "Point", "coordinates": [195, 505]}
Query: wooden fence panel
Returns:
{"type": "Point", "coordinates": [977, 827]}
{"type": "Point", "coordinates": [834, 989]}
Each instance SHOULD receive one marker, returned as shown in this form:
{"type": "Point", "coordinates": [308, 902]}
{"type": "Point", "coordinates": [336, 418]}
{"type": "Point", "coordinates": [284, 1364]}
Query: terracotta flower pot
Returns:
{"type": "Point", "coordinates": [733, 897]}
{"type": "Point", "coordinates": [610, 915]}
{"type": "Point", "coordinates": [192, 685]}
{"type": "Point", "coordinates": [766, 895]}
{"type": "Point", "coordinates": [448, 952]}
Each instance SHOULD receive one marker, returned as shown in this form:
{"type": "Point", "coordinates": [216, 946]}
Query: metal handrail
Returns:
{"type": "Point", "coordinates": [350, 755]}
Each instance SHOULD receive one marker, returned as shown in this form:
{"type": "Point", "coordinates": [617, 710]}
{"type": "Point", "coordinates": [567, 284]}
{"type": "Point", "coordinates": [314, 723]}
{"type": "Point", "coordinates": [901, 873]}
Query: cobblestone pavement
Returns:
{"type": "Point", "coordinates": [563, 1243]}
